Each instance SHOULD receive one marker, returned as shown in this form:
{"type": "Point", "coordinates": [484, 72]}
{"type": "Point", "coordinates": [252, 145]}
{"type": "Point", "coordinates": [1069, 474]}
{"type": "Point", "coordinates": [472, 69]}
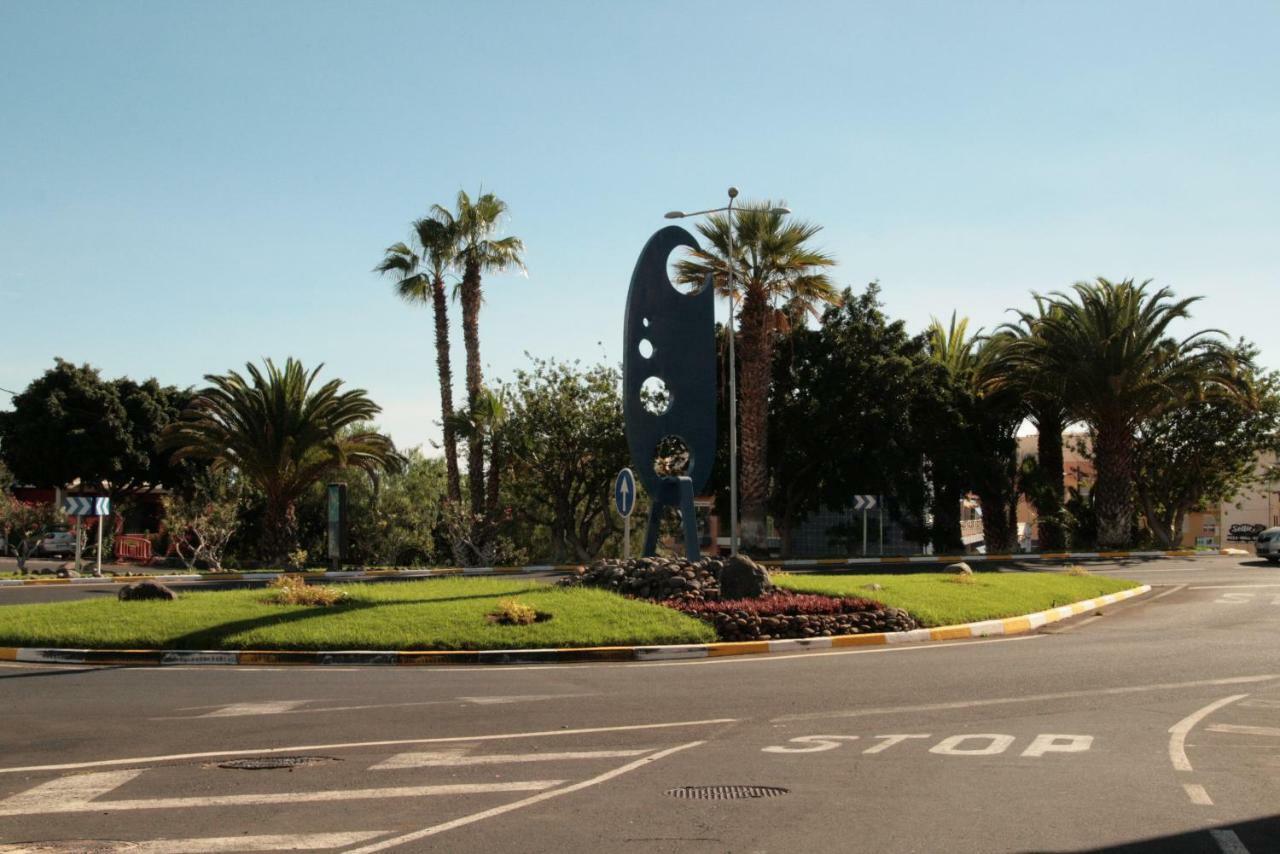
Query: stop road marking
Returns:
{"type": "Point", "coordinates": [967, 744]}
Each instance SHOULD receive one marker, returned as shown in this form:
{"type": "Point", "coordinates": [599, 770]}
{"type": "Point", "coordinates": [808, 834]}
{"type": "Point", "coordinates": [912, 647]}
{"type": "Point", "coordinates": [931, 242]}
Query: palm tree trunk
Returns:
{"type": "Point", "coordinates": [1049, 428]}
{"type": "Point", "coordinates": [441, 307]}
{"type": "Point", "coordinates": [1113, 492]}
{"type": "Point", "coordinates": [279, 532]}
{"type": "Point", "coordinates": [754, 346]}
{"type": "Point", "coordinates": [944, 534]}
{"type": "Point", "coordinates": [475, 380]}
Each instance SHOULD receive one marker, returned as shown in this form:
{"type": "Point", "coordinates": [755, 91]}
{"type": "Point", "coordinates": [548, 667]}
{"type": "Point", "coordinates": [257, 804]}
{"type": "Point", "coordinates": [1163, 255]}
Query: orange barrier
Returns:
{"type": "Point", "coordinates": [133, 548]}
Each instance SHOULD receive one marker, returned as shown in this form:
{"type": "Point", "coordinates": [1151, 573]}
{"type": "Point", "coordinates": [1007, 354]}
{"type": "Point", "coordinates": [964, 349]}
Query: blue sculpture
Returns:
{"type": "Point", "coordinates": [669, 336]}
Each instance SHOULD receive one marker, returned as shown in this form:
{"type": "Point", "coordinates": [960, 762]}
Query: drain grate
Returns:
{"type": "Point", "coordinates": [266, 763]}
{"type": "Point", "coordinates": [726, 793]}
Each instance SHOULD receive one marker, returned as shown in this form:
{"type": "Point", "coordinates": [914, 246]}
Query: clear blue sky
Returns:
{"type": "Point", "coordinates": [188, 186]}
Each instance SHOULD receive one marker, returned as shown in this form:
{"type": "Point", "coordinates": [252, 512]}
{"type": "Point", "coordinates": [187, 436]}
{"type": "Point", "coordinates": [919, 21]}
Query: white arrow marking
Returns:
{"type": "Point", "coordinates": [236, 710]}
{"type": "Point", "coordinates": [458, 758]}
{"type": "Point", "coordinates": [77, 794]}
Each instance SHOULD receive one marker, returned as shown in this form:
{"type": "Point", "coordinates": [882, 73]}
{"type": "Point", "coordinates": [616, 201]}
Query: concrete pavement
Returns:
{"type": "Point", "coordinates": [1154, 727]}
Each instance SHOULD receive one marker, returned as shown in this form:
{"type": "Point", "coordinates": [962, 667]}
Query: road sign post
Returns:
{"type": "Point", "coordinates": [337, 525]}
{"type": "Point", "coordinates": [865, 503]}
{"type": "Point", "coordinates": [624, 501]}
{"type": "Point", "coordinates": [80, 506]}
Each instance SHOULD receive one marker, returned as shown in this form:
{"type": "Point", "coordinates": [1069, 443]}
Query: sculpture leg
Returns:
{"type": "Point", "coordinates": [651, 528]}
{"type": "Point", "coordinates": [689, 517]}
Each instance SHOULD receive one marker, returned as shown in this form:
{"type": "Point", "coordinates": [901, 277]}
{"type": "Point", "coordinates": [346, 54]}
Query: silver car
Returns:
{"type": "Point", "coordinates": [1268, 544]}
{"type": "Point", "coordinates": [58, 540]}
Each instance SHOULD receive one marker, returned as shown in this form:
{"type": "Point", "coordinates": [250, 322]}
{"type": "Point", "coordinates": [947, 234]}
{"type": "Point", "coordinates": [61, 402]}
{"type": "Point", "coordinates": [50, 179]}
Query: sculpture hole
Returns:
{"type": "Point", "coordinates": [672, 457]}
{"type": "Point", "coordinates": [679, 255]}
{"type": "Point", "coordinates": [654, 396]}
{"type": "Point", "coordinates": [646, 348]}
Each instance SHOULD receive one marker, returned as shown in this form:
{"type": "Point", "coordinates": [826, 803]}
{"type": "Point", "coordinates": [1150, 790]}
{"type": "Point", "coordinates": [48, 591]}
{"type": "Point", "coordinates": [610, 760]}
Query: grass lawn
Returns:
{"type": "Point", "coordinates": [446, 613]}
{"type": "Point", "coordinates": [935, 600]}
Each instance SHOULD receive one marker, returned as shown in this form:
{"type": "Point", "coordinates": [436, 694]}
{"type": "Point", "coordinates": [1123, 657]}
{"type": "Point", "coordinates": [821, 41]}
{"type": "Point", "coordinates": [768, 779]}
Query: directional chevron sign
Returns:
{"type": "Point", "coordinates": [80, 505]}
{"type": "Point", "coordinates": [864, 502]}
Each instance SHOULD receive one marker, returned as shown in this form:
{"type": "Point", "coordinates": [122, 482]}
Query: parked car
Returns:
{"type": "Point", "coordinates": [1268, 544]}
{"type": "Point", "coordinates": [59, 540]}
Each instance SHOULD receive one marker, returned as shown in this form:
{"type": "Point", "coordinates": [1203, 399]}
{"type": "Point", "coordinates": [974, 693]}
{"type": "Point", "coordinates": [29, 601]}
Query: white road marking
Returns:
{"type": "Point", "coordinates": [816, 744]}
{"type": "Point", "coordinates": [1233, 599]}
{"type": "Point", "coordinates": [517, 698]}
{"type": "Point", "coordinates": [221, 844]}
{"type": "Point", "coordinates": [480, 816]}
{"type": "Point", "coordinates": [53, 797]}
{"type": "Point", "coordinates": [459, 758]}
{"type": "Point", "coordinates": [236, 710]}
{"type": "Point", "coordinates": [266, 751]}
{"type": "Point", "coordinates": [1197, 794]}
{"type": "Point", "coordinates": [1234, 586]}
{"type": "Point", "coordinates": [1047, 743]}
{"type": "Point", "coordinates": [890, 740]}
{"type": "Point", "coordinates": [951, 746]}
{"type": "Point", "coordinates": [1027, 698]}
{"type": "Point", "coordinates": [1178, 732]}
{"type": "Point", "coordinates": [1241, 729]}
{"type": "Point", "coordinates": [1228, 841]}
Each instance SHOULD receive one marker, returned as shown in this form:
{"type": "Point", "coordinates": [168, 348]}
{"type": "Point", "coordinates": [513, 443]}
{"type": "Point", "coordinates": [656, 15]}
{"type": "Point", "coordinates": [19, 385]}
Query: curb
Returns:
{"type": "Point", "coordinates": [675, 652]}
{"type": "Point", "coordinates": [817, 564]}
{"type": "Point", "coordinates": [826, 564]}
{"type": "Point", "coordinates": [352, 575]}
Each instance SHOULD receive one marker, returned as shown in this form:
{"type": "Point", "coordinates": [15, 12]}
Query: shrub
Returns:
{"type": "Point", "coordinates": [777, 605]}
{"type": "Point", "coordinates": [1077, 569]}
{"type": "Point", "coordinates": [291, 590]}
{"type": "Point", "coordinates": [513, 613]}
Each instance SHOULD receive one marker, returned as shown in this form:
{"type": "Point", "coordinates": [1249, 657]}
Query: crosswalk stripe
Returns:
{"type": "Point", "coordinates": [78, 793]}
{"type": "Point", "coordinates": [458, 758]}
{"type": "Point", "coordinates": [220, 844]}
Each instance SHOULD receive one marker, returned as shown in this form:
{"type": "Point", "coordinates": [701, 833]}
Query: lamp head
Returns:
{"type": "Point", "coordinates": [674, 215]}
{"type": "Point", "coordinates": [733, 192]}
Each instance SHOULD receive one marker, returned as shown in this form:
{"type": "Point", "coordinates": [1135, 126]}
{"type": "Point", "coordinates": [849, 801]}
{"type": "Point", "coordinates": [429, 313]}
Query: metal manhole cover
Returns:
{"type": "Point", "coordinates": [266, 763]}
{"type": "Point", "coordinates": [726, 793]}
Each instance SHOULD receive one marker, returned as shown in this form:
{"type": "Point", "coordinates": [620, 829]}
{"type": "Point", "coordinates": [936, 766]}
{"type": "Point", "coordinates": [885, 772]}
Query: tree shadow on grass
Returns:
{"type": "Point", "coordinates": [216, 637]}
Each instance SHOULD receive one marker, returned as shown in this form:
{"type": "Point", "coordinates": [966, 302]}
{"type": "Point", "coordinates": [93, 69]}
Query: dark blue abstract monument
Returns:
{"type": "Point", "coordinates": [670, 336]}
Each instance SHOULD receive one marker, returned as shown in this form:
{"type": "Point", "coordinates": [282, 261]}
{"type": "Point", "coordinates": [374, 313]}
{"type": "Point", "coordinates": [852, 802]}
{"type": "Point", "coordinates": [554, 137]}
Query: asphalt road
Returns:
{"type": "Point", "coordinates": [1154, 727]}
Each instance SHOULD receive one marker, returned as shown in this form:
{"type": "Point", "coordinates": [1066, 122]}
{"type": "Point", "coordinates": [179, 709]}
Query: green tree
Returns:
{"type": "Point", "coordinates": [840, 415]}
{"type": "Point", "coordinates": [565, 442]}
{"type": "Point", "coordinates": [1205, 452]}
{"type": "Point", "coordinates": [1110, 344]}
{"type": "Point", "coordinates": [420, 278]}
{"type": "Point", "coordinates": [774, 264]}
{"type": "Point", "coordinates": [278, 433]}
{"type": "Point", "coordinates": [71, 425]}
{"type": "Point", "coordinates": [477, 251]}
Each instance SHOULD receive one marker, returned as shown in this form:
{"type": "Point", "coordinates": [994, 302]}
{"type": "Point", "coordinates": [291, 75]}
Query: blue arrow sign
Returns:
{"type": "Point", "coordinates": [864, 502]}
{"type": "Point", "coordinates": [624, 492]}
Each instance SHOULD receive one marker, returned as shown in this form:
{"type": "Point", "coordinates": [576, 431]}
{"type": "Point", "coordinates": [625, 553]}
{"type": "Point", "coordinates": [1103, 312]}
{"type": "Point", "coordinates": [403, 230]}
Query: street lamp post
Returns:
{"type": "Point", "coordinates": [733, 365]}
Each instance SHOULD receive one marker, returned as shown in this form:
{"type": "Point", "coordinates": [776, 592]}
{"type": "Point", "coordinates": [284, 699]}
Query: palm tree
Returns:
{"type": "Point", "coordinates": [1014, 367]}
{"type": "Point", "coordinates": [1109, 344]}
{"type": "Point", "coordinates": [420, 279]}
{"type": "Point", "coordinates": [281, 435]}
{"type": "Point", "coordinates": [777, 276]}
{"type": "Point", "coordinates": [477, 251]}
{"type": "Point", "coordinates": [983, 456]}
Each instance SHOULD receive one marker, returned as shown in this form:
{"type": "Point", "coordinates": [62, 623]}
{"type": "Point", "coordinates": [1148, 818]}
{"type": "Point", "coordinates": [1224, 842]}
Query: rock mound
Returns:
{"type": "Point", "coordinates": [674, 578]}
{"type": "Point", "coordinates": [144, 590]}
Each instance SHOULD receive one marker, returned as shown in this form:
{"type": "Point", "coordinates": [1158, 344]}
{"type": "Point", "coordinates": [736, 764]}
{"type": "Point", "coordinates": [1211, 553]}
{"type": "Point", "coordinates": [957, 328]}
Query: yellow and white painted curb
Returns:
{"type": "Point", "coordinates": [160, 657]}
